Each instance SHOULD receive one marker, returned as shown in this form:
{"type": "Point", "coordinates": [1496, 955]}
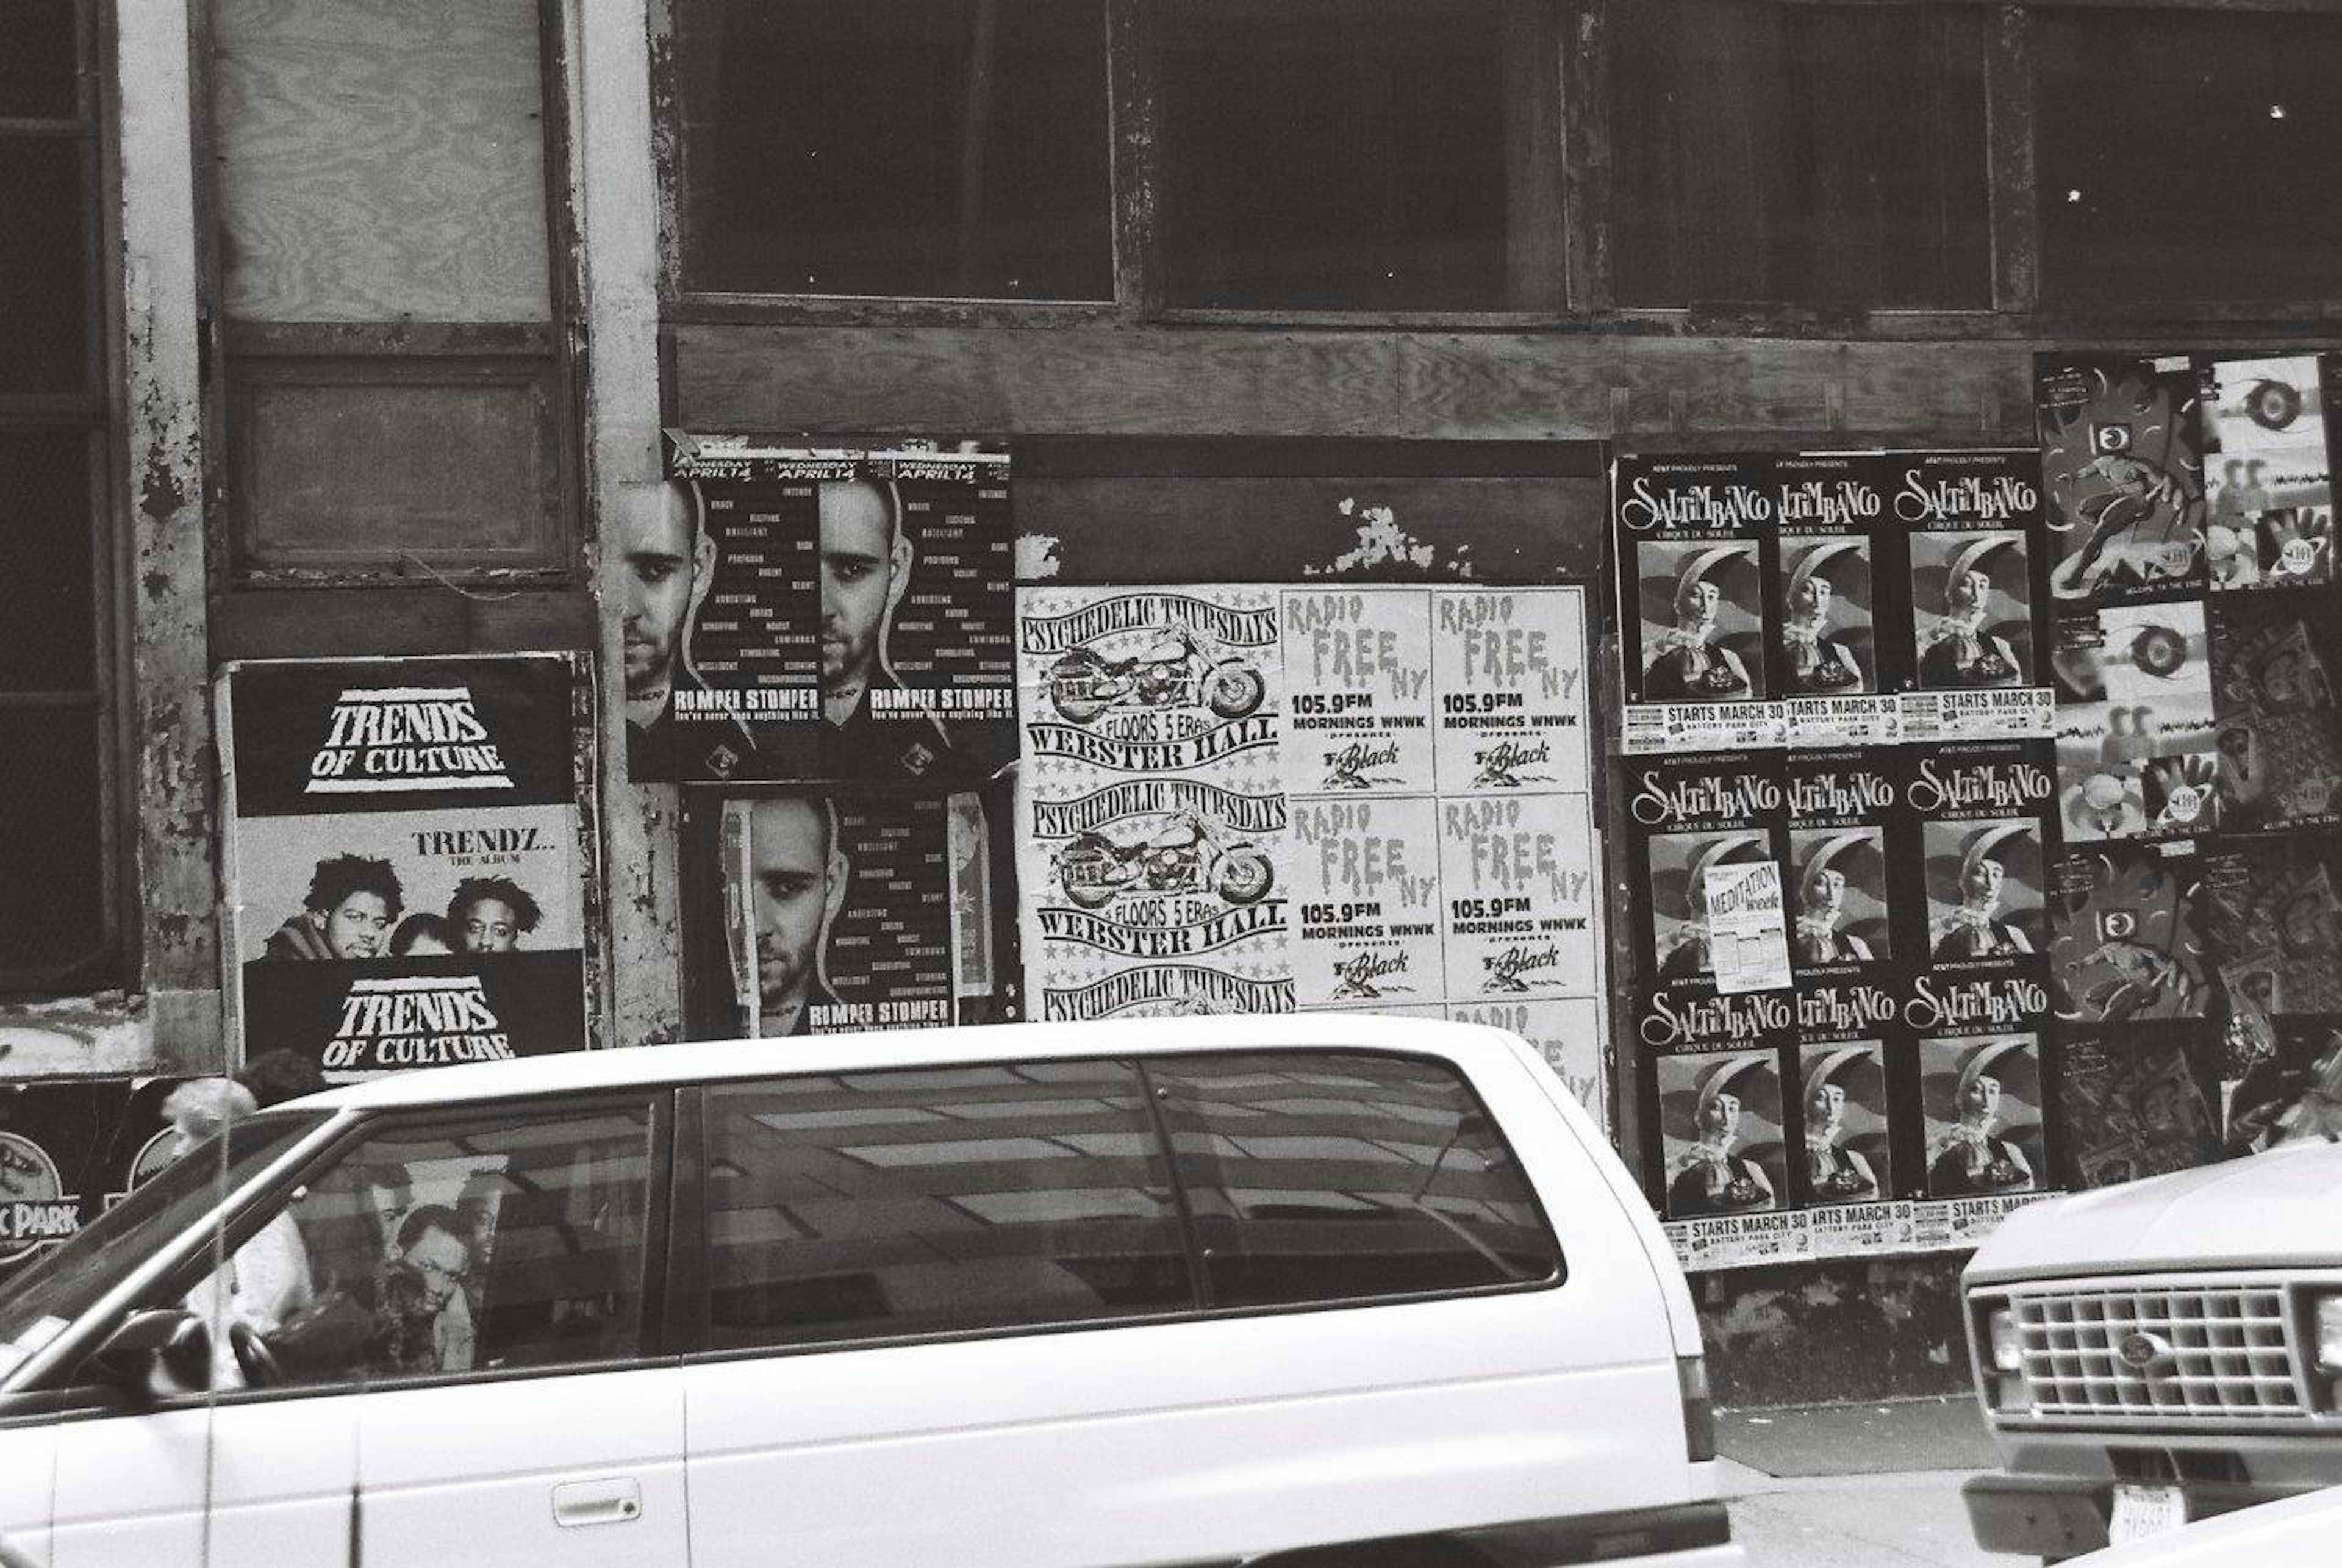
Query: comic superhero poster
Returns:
{"type": "Point", "coordinates": [1978, 623]}
{"type": "Point", "coordinates": [2277, 741]}
{"type": "Point", "coordinates": [1841, 578]}
{"type": "Point", "coordinates": [801, 612]}
{"type": "Point", "coordinates": [2292, 1090]}
{"type": "Point", "coordinates": [2137, 727]}
{"type": "Point", "coordinates": [2121, 457]}
{"type": "Point", "coordinates": [405, 854]}
{"type": "Point", "coordinates": [1694, 542]}
{"type": "Point", "coordinates": [2137, 1103]}
{"type": "Point", "coordinates": [2274, 917]}
{"type": "Point", "coordinates": [2130, 935]}
{"type": "Point", "coordinates": [1153, 817]}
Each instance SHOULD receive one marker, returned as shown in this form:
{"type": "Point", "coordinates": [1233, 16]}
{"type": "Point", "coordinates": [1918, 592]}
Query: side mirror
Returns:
{"type": "Point", "coordinates": [160, 1339]}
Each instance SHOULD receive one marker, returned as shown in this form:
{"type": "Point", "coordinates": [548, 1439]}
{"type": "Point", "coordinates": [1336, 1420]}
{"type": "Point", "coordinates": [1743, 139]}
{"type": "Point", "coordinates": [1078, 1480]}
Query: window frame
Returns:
{"type": "Point", "coordinates": [687, 1302]}
{"type": "Point", "coordinates": [1574, 111]}
{"type": "Point", "coordinates": [94, 414]}
{"type": "Point", "coordinates": [548, 357]}
{"type": "Point", "coordinates": [263, 1203]}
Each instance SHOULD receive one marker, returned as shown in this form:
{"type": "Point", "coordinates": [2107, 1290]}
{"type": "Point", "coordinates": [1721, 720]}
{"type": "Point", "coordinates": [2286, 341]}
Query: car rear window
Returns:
{"type": "Point", "coordinates": [1333, 1177]}
{"type": "Point", "coordinates": [918, 1202]}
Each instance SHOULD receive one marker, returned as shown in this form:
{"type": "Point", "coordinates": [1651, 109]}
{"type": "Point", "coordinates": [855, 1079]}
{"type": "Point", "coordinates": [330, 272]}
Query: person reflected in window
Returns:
{"type": "Point", "coordinates": [423, 1312]}
{"type": "Point", "coordinates": [492, 913]}
{"type": "Point", "coordinates": [266, 1283]}
{"type": "Point", "coordinates": [352, 902]}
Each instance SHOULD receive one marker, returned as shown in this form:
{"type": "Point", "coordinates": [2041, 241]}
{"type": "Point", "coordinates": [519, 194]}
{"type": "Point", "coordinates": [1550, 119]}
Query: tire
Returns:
{"type": "Point", "coordinates": [1232, 691]}
{"type": "Point", "coordinates": [1243, 876]}
{"type": "Point", "coordinates": [1074, 682]}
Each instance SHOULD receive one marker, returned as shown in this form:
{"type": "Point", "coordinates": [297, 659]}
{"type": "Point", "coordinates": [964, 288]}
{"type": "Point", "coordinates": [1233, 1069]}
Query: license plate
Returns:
{"type": "Point", "coordinates": [2144, 1511]}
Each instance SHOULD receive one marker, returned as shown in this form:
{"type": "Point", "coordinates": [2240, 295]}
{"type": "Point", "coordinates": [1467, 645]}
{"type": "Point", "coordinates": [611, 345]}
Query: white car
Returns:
{"type": "Point", "coordinates": [1289, 1291]}
{"type": "Point", "coordinates": [2160, 1351]}
{"type": "Point", "coordinates": [2299, 1532]}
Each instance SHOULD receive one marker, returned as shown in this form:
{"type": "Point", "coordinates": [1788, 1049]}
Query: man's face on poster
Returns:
{"type": "Point", "coordinates": [1967, 593]}
{"type": "Point", "coordinates": [441, 1259]}
{"type": "Point", "coordinates": [490, 925]}
{"type": "Point", "coordinates": [357, 927]}
{"type": "Point", "coordinates": [1981, 879]}
{"type": "Point", "coordinates": [665, 557]}
{"type": "Point", "coordinates": [1826, 1112]}
{"type": "Point", "coordinates": [790, 861]}
{"type": "Point", "coordinates": [861, 555]}
{"type": "Point", "coordinates": [1719, 1119]}
{"type": "Point", "coordinates": [1980, 1101]}
{"type": "Point", "coordinates": [1825, 893]}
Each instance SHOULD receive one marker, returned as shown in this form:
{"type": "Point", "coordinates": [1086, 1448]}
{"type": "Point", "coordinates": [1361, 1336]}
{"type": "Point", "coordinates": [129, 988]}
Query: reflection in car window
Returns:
{"type": "Point", "coordinates": [477, 1244]}
{"type": "Point", "coordinates": [69, 1281]}
{"type": "Point", "coordinates": [1333, 1176]}
{"type": "Point", "coordinates": [918, 1202]}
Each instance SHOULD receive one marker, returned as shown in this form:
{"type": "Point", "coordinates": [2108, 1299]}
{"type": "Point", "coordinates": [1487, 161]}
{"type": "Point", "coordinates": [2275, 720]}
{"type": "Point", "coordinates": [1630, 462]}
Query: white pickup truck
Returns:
{"type": "Point", "coordinates": [2160, 1350]}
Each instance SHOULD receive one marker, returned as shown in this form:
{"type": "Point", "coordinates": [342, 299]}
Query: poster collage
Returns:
{"type": "Point", "coordinates": [2004, 867]}
{"type": "Point", "coordinates": [1258, 798]}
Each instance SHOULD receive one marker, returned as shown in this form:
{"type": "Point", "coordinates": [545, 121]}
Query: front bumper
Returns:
{"type": "Point", "coordinates": [2065, 1515]}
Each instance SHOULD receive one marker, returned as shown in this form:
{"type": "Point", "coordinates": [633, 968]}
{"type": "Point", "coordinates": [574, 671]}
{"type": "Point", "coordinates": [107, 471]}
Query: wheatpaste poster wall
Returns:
{"type": "Point", "coordinates": [1245, 798]}
{"type": "Point", "coordinates": [406, 858]}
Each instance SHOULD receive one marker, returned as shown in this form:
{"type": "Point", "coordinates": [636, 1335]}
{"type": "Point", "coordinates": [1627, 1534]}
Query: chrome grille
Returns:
{"type": "Point", "coordinates": [2218, 1351]}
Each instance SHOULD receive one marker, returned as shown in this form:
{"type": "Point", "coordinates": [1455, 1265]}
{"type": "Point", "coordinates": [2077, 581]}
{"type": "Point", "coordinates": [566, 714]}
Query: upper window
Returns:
{"type": "Point", "coordinates": [2181, 157]}
{"type": "Point", "coordinates": [865, 1206]}
{"type": "Point", "coordinates": [57, 926]}
{"type": "Point", "coordinates": [941, 148]}
{"type": "Point", "coordinates": [1328, 1177]}
{"type": "Point", "coordinates": [487, 1243]}
{"type": "Point", "coordinates": [1799, 153]}
{"type": "Point", "coordinates": [1362, 154]}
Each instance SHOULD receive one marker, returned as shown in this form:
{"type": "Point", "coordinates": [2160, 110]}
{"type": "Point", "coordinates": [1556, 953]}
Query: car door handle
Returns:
{"type": "Point", "coordinates": [578, 1503]}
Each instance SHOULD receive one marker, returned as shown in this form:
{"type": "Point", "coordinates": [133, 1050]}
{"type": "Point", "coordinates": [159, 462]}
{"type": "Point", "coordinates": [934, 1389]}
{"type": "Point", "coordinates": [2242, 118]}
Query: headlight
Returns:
{"type": "Point", "coordinates": [2329, 1333]}
{"type": "Point", "coordinates": [2000, 1340]}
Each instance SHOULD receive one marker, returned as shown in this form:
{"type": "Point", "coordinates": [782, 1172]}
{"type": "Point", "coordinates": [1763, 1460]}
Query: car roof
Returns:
{"type": "Point", "coordinates": [575, 1072]}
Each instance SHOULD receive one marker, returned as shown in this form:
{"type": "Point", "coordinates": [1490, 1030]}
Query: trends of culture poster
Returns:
{"type": "Point", "coordinates": [809, 614]}
{"type": "Point", "coordinates": [1314, 796]}
{"type": "Point", "coordinates": [406, 858]}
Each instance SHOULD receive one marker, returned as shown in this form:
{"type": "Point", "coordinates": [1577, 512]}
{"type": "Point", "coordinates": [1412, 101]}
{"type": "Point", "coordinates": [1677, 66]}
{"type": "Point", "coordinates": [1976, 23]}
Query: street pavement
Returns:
{"type": "Point", "coordinates": [1854, 1485]}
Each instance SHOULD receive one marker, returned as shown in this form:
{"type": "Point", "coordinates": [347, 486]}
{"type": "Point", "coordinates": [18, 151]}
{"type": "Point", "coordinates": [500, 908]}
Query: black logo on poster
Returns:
{"type": "Point", "coordinates": [1353, 767]}
{"type": "Point", "coordinates": [1505, 968]}
{"type": "Point", "coordinates": [1499, 766]}
{"type": "Point", "coordinates": [389, 739]}
{"type": "Point", "coordinates": [1365, 976]}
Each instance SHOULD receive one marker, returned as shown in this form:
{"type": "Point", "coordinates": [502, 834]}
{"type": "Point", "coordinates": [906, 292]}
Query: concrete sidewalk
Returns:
{"type": "Point", "coordinates": [1854, 1485]}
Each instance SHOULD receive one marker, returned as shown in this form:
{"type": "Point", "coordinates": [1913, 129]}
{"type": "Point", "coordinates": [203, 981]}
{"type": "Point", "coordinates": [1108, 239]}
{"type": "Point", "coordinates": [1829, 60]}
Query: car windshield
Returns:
{"type": "Point", "coordinates": [43, 1300]}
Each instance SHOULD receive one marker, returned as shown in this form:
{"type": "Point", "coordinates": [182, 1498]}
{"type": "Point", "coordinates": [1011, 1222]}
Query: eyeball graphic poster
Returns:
{"type": "Point", "coordinates": [1153, 814]}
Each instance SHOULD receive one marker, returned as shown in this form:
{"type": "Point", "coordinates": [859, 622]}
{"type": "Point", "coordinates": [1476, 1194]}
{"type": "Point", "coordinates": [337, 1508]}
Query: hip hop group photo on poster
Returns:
{"type": "Point", "coordinates": [818, 614]}
{"type": "Point", "coordinates": [406, 855]}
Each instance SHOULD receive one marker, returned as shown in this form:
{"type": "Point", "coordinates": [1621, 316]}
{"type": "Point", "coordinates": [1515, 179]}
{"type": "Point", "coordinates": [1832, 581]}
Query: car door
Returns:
{"type": "Point", "coordinates": [539, 1429]}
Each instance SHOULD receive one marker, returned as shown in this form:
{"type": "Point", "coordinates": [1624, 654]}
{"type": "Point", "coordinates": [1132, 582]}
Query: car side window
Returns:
{"type": "Point", "coordinates": [1333, 1175]}
{"type": "Point", "coordinates": [476, 1243]}
{"type": "Point", "coordinates": [875, 1204]}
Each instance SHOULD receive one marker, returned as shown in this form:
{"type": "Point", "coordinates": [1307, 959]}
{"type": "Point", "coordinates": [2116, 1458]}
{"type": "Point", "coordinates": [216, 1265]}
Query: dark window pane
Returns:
{"type": "Point", "coordinates": [1335, 154]}
{"type": "Point", "coordinates": [872, 1205]}
{"type": "Point", "coordinates": [1341, 1176]}
{"type": "Point", "coordinates": [49, 641]}
{"type": "Point", "coordinates": [43, 302]}
{"type": "Point", "coordinates": [1810, 154]}
{"type": "Point", "coordinates": [52, 858]}
{"type": "Point", "coordinates": [38, 60]}
{"type": "Point", "coordinates": [2188, 157]}
{"type": "Point", "coordinates": [915, 148]}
